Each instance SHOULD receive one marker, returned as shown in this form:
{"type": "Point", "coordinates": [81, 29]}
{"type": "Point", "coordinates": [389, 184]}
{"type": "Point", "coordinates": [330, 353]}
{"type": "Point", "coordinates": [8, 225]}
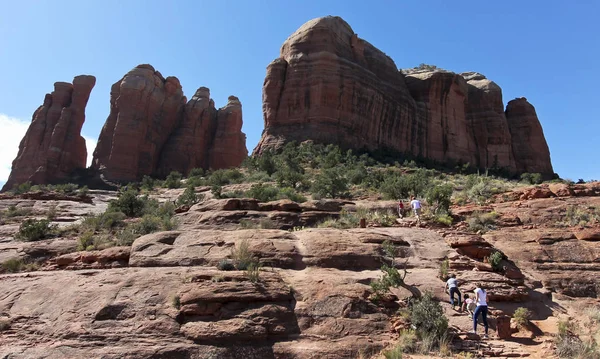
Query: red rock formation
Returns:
{"type": "Point", "coordinates": [144, 110]}
{"type": "Point", "coordinates": [53, 147]}
{"type": "Point", "coordinates": [330, 86]}
{"type": "Point", "coordinates": [229, 145]}
{"type": "Point", "coordinates": [153, 130]}
{"type": "Point", "coordinates": [529, 146]}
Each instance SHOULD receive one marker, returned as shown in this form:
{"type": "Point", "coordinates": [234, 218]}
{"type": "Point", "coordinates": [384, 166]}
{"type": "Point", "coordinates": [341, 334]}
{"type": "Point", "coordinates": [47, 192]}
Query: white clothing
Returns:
{"type": "Point", "coordinates": [482, 299]}
{"type": "Point", "coordinates": [452, 283]}
{"type": "Point", "coordinates": [415, 204]}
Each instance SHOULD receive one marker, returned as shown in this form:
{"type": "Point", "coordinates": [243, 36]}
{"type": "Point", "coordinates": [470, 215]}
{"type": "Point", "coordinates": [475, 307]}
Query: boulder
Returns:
{"type": "Point", "coordinates": [590, 234]}
{"type": "Point", "coordinates": [53, 148]}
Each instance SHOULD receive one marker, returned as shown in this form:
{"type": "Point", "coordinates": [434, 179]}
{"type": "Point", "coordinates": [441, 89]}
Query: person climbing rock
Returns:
{"type": "Point", "coordinates": [468, 306]}
{"type": "Point", "coordinates": [415, 204]}
{"type": "Point", "coordinates": [482, 308]}
{"type": "Point", "coordinates": [452, 287]}
{"type": "Point", "coordinates": [400, 208]}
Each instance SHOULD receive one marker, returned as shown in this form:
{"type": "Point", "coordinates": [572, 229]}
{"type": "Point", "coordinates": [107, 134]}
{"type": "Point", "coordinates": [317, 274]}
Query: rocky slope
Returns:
{"type": "Point", "coordinates": [152, 129]}
{"type": "Point", "coordinates": [330, 86]}
{"type": "Point", "coordinates": [53, 147]}
{"type": "Point", "coordinates": [312, 299]}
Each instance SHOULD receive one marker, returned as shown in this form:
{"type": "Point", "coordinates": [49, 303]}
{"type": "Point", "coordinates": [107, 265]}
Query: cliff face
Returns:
{"type": "Point", "coordinates": [330, 86]}
{"type": "Point", "coordinates": [152, 130]}
{"type": "Point", "coordinates": [53, 147]}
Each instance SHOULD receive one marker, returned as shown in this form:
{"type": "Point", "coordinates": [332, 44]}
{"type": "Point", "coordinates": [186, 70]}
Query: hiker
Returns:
{"type": "Point", "coordinates": [482, 308]}
{"type": "Point", "coordinates": [415, 204]}
{"type": "Point", "coordinates": [452, 286]}
{"type": "Point", "coordinates": [468, 305]}
{"type": "Point", "coordinates": [400, 209]}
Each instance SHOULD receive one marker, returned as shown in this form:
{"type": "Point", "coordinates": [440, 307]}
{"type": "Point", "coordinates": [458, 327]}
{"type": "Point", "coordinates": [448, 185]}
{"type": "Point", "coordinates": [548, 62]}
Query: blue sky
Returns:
{"type": "Point", "coordinates": [546, 51]}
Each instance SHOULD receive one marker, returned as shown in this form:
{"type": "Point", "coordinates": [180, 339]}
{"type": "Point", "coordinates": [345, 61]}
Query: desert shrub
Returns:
{"type": "Point", "coordinates": [395, 352]}
{"type": "Point", "coordinates": [396, 186]}
{"type": "Point", "coordinates": [225, 265]}
{"type": "Point", "coordinates": [12, 265]}
{"type": "Point", "coordinates": [383, 218]}
{"type": "Point", "coordinates": [263, 193]}
{"type": "Point", "coordinates": [258, 176]}
{"type": "Point", "coordinates": [51, 213]}
{"type": "Point", "coordinates": [532, 178]}
{"type": "Point", "coordinates": [253, 272]}
{"type": "Point", "coordinates": [344, 221]}
{"type": "Point", "coordinates": [83, 191]}
{"type": "Point", "coordinates": [482, 189]}
{"type": "Point", "coordinates": [569, 345]}
{"type": "Point", "coordinates": [188, 197]}
{"type": "Point", "coordinates": [148, 183]}
{"type": "Point", "coordinates": [443, 219]}
{"type": "Point", "coordinates": [129, 203]}
{"type": "Point", "coordinates": [89, 242]}
{"type": "Point", "coordinates": [14, 211]}
{"type": "Point", "coordinates": [439, 198]}
{"type": "Point", "coordinates": [176, 302]}
{"type": "Point", "coordinates": [104, 221]}
{"type": "Point", "coordinates": [357, 174]}
{"type": "Point", "coordinates": [266, 163]}
{"type": "Point", "coordinates": [20, 188]}
{"type": "Point", "coordinates": [291, 194]}
{"type": "Point", "coordinates": [495, 260]}
{"type": "Point", "coordinates": [126, 237]}
{"type": "Point", "coordinates": [35, 230]}
{"type": "Point", "coordinates": [216, 191]}
{"type": "Point", "coordinates": [482, 222]}
{"type": "Point", "coordinates": [173, 180]}
{"type": "Point", "coordinates": [152, 223]}
{"type": "Point", "coordinates": [196, 172]}
{"type": "Point", "coordinates": [593, 313]}
{"type": "Point", "coordinates": [391, 277]}
{"type": "Point", "coordinates": [444, 268]}
{"type": "Point", "coordinates": [580, 216]}
{"type": "Point", "coordinates": [67, 188]}
{"type": "Point", "coordinates": [241, 255]}
{"type": "Point", "coordinates": [427, 316]}
{"type": "Point", "coordinates": [521, 317]}
{"type": "Point", "coordinates": [225, 176]}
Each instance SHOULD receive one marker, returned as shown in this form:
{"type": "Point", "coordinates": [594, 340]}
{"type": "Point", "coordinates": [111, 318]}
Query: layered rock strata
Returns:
{"type": "Point", "coordinates": [152, 129]}
{"type": "Point", "coordinates": [53, 146]}
{"type": "Point", "coordinates": [330, 86]}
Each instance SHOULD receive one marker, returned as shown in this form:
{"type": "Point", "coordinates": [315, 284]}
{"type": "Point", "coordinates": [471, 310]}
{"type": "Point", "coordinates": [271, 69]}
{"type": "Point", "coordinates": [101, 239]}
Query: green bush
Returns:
{"type": "Point", "coordinates": [439, 198]}
{"type": "Point", "coordinates": [12, 265]}
{"type": "Point", "coordinates": [129, 203]}
{"type": "Point", "coordinates": [196, 172]}
{"type": "Point", "coordinates": [148, 183]}
{"type": "Point", "coordinates": [89, 242]}
{"type": "Point", "coordinates": [104, 221]}
{"type": "Point", "coordinates": [482, 222]}
{"type": "Point", "coordinates": [35, 230]}
{"type": "Point", "coordinates": [21, 188]}
{"type": "Point", "coordinates": [173, 180]}
{"type": "Point", "coordinates": [241, 255]}
{"type": "Point", "coordinates": [532, 178]}
{"type": "Point", "coordinates": [330, 183]}
{"type": "Point", "coordinates": [443, 219]}
{"type": "Point", "coordinates": [253, 272]}
{"type": "Point", "coordinates": [266, 163]}
{"type": "Point", "coordinates": [428, 317]}
{"type": "Point", "coordinates": [495, 260]}
{"type": "Point", "coordinates": [444, 268]}
{"type": "Point", "coordinates": [521, 317]}
{"type": "Point", "coordinates": [263, 193]}
{"type": "Point", "coordinates": [396, 185]}
{"type": "Point", "coordinates": [225, 265]}
{"type": "Point", "coordinates": [188, 197]}
{"type": "Point", "coordinates": [291, 194]}
{"type": "Point", "coordinates": [225, 176]}
{"type": "Point", "coordinates": [14, 211]}
{"type": "Point", "coordinates": [346, 220]}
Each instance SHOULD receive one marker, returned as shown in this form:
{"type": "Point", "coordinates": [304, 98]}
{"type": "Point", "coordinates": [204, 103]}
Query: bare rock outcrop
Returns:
{"type": "Point", "coordinates": [53, 146]}
{"type": "Point", "coordinates": [330, 86]}
{"type": "Point", "coordinates": [152, 129]}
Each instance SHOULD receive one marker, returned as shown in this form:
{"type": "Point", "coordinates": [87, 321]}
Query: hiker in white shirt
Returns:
{"type": "Point", "coordinates": [481, 301]}
{"type": "Point", "coordinates": [415, 204]}
{"type": "Point", "coordinates": [452, 286]}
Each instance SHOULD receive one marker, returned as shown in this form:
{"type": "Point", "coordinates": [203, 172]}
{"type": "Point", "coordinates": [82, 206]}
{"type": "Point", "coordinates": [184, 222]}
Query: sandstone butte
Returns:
{"type": "Point", "coordinates": [53, 147]}
{"type": "Point", "coordinates": [152, 129]}
{"type": "Point", "coordinates": [330, 86]}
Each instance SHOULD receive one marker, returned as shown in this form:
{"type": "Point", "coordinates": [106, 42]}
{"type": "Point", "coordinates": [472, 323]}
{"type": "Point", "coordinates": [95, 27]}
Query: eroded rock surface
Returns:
{"type": "Point", "coordinates": [152, 129]}
{"type": "Point", "coordinates": [330, 86]}
{"type": "Point", "coordinates": [53, 148]}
